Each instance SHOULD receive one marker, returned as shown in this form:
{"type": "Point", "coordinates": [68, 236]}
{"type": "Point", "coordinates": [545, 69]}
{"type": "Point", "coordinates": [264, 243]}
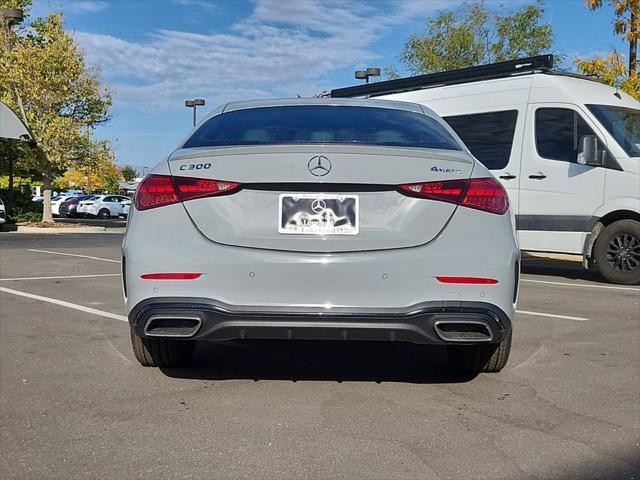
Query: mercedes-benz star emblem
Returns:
{"type": "Point", "coordinates": [318, 206]}
{"type": "Point", "coordinates": [319, 166]}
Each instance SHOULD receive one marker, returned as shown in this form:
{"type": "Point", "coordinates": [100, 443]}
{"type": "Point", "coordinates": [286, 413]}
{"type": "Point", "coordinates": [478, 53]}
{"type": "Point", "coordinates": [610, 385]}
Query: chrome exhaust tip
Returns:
{"type": "Point", "coordinates": [463, 331]}
{"type": "Point", "coordinates": [172, 326]}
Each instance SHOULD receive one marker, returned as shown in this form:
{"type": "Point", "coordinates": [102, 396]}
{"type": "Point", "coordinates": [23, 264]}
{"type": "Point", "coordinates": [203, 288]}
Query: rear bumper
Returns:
{"type": "Point", "coordinates": [425, 323]}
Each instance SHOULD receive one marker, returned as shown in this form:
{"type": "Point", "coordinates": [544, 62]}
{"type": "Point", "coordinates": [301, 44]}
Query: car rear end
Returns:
{"type": "Point", "coordinates": [68, 208]}
{"type": "Point", "coordinates": [351, 220]}
{"type": "Point", "coordinates": [3, 213]}
{"type": "Point", "coordinates": [85, 204]}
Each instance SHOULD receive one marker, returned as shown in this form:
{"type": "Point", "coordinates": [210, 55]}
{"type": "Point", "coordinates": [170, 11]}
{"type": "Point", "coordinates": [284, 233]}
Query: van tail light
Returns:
{"type": "Point", "coordinates": [160, 190]}
{"type": "Point", "coordinates": [486, 194]}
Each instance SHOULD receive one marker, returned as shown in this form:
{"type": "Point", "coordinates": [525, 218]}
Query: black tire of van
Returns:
{"type": "Point", "coordinates": [617, 252]}
{"type": "Point", "coordinates": [485, 357]}
{"type": "Point", "coordinates": [162, 352]}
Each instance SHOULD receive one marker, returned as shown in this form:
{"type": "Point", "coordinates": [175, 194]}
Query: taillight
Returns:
{"type": "Point", "coordinates": [485, 194]}
{"type": "Point", "coordinates": [160, 190]}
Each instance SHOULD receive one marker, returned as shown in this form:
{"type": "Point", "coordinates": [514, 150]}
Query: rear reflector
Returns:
{"type": "Point", "coordinates": [486, 194]}
{"type": "Point", "coordinates": [170, 276]}
{"type": "Point", "coordinates": [160, 190]}
{"type": "Point", "coordinates": [468, 280]}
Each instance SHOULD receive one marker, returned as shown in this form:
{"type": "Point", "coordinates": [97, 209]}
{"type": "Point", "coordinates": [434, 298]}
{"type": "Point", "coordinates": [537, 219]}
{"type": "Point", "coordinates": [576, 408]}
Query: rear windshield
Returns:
{"type": "Point", "coordinates": [322, 124]}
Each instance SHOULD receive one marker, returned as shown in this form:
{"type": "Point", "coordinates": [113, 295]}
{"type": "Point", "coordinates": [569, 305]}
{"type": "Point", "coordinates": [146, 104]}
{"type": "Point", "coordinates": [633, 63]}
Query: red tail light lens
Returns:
{"type": "Point", "coordinates": [190, 188]}
{"type": "Point", "coordinates": [160, 190]}
{"type": "Point", "coordinates": [155, 191]}
{"type": "Point", "coordinates": [485, 194]}
{"type": "Point", "coordinates": [447, 191]}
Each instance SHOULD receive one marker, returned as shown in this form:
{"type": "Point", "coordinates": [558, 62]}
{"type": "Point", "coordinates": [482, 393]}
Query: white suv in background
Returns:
{"type": "Point", "coordinates": [104, 206]}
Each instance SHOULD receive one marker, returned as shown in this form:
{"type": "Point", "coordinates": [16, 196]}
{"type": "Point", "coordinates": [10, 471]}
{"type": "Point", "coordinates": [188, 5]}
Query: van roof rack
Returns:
{"type": "Point", "coordinates": [540, 63]}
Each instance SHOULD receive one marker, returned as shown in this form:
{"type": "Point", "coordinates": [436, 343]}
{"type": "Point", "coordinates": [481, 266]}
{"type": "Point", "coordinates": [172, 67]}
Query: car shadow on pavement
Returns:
{"type": "Point", "coordinates": [323, 360]}
{"type": "Point", "coordinates": [561, 268]}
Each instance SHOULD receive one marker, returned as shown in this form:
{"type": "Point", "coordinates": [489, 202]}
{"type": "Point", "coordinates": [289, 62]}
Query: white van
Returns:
{"type": "Point", "coordinates": [566, 148]}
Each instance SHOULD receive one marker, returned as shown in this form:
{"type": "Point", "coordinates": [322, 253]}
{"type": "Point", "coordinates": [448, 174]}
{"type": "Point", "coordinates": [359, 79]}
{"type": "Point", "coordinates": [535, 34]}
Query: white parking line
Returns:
{"type": "Point", "coordinates": [552, 315]}
{"type": "Point", "coordinates": [62, 303]}
{"type": "Point", "coordinates": [61, 277]}
{"type": "Point", "coordinates": [75, 255]}
{"type": "Point", "coordinates": [581, 285]}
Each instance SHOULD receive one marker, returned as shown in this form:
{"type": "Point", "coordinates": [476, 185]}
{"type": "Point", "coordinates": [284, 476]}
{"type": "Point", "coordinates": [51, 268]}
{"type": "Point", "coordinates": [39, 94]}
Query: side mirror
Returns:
{"type": "Point", "coordinates": [588, 153]}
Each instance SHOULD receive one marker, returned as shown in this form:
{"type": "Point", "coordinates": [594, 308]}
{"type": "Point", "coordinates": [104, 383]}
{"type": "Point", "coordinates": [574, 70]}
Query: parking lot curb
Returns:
{"type": "Point", "coordinates": [56, 230]}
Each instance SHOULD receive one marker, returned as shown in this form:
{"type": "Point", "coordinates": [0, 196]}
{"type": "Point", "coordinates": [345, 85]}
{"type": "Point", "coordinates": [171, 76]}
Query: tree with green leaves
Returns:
{"type": "Point", "coordinates": [129, 173]}
{"type": "Point", "coordinates": [44, 79]}
{"type": "Point", "coordinates": [475, 34]}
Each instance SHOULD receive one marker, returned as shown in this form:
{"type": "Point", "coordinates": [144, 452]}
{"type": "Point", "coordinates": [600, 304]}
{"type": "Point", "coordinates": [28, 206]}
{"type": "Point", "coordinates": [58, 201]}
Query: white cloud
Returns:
{"type": "Point", "coordinates": [283, 48]}
{"type": "Point", "coordinates": [85, 6]}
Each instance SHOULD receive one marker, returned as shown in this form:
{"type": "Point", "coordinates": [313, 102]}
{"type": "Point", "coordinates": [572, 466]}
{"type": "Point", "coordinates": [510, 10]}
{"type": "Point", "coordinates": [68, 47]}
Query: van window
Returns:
{"type": "Point", "coordinates": [622, 123]}
{"type": "Point", "coordinates": [558, 133]}
{"type": "Point", "coordinates": [489, 136]}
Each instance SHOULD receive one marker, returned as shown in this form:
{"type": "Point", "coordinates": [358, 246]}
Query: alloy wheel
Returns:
{"type": "Point", "coordinates": [623, 253]}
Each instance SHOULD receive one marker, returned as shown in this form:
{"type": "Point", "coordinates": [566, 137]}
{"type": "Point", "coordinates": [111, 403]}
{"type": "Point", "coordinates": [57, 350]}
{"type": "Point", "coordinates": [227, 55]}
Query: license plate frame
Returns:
{"type": "Point", "coordinates": [315, 214]}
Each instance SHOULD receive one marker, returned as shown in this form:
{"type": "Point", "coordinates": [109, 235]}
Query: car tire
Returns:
{"type": "Point", "coordinates": [617, 252]}
{"type": "Point", "coordinates": [162, 352]}
{"type": "Point", "coordinates": [486, 357]}
{"type": "Point", "coordinates": [104, 213]}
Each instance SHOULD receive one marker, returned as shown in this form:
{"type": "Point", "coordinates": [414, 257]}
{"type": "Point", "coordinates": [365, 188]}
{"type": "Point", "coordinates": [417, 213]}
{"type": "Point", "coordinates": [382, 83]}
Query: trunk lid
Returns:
{"type": "Point", "coordinates": [386, 218]}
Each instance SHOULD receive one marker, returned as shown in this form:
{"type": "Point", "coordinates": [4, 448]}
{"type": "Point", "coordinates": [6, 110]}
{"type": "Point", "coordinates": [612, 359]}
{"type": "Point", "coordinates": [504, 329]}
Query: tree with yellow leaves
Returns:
{"type": "Point", "coordinates": [44, 79]}
{"type": "Point", "coordinates": [611, 69]}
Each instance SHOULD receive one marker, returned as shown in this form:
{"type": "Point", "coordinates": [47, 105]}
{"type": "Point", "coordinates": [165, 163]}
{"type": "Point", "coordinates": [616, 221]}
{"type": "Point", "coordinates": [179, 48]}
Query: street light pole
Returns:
{"type": "Point", "coordinates": [10, 17]}
{"type": "Point", "coordinates": [198, 102]}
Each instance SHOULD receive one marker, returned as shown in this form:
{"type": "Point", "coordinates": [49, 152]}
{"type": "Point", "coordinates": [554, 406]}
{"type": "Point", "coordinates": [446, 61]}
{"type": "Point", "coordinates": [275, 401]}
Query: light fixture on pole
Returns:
{"type": "Point", "coordinates": [11, 16]}
{"type": "Point", "coordinates": [365, 74]}
{"type": "Point", "coordinates": [198, 102]}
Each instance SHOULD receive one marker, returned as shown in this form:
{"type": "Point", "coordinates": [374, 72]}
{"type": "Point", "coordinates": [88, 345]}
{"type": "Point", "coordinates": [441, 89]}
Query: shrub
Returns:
{"type": "Point", "coordinates": [22, 205]}
{"type": "Point", "coordinates": [28, 217]}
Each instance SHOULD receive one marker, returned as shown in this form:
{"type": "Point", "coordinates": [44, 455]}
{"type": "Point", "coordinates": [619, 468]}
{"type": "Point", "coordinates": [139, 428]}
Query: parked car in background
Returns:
{"type": "Point", "coordinates": [103, 206]}
{"type": "Point", "coordinates": [68, 208]}
{"type": "Point", "coordinates": [81, 210]}
{"type": "Point", "coordinates": [3, 213]}
{"type": "Point", "coordinates": [56, 202]}
{"type": "Point", "coordinates": [126, 205]}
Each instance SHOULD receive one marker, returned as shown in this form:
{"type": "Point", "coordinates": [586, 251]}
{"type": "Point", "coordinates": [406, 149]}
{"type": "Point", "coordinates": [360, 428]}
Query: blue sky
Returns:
{"type": "Point", "coordinates": [157, 53]}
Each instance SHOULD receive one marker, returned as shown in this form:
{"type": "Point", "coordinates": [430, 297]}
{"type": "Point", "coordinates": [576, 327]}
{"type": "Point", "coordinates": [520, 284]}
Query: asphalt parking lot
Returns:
{"type": "Point", "coordinates": [75, 404]}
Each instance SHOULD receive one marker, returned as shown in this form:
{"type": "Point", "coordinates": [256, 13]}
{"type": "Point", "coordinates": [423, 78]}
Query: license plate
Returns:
{"type": "Point", "coordinates": [318, 214]}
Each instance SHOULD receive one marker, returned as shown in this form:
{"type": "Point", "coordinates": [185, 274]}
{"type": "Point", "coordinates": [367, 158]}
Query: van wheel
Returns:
{"type": "Point", "coordinates": [162, 352]}
{"type": "Point", "coordinates": [486, 357]}
{"type": "Point", "coordinates": [617, 252]}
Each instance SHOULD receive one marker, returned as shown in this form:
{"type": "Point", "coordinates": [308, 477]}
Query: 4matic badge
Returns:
{"type": "Point", "coordinates": [446, 170]}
